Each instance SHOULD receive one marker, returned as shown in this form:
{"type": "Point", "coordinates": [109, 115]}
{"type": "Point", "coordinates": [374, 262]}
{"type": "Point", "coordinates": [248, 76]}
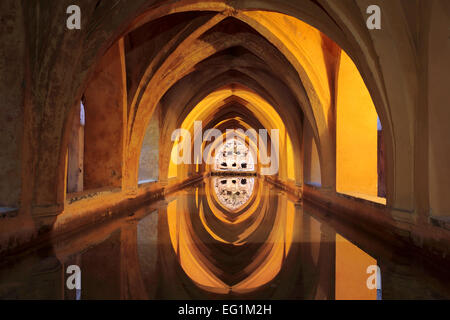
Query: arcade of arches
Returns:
{"type": "Point", "coordinates": [361, 118]}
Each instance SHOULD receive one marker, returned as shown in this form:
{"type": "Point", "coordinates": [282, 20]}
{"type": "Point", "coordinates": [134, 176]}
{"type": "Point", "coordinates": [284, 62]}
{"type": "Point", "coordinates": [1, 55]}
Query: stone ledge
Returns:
{"type": "Point", "coordinates": [146, 183]}
{"type": "Point", "coordinates": [47, 211]}
{"type": "Point", "coordinates": [88, 194]}
{"type": "Point", "coordinates": [290, 187]}
{"type": "Point", "coordinates": [363, 198]}
{"type": "Point", "coordinates": [232, 174]}
{"type": "Point", "coordinates": [313, 185]}
{"type": "Point", "coordinates": [443, 222]}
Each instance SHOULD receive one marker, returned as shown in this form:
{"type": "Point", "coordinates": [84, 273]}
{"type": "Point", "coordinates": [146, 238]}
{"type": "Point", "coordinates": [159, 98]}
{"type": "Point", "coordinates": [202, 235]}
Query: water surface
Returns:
{"type": "Point", "coordinates": [226, 238]}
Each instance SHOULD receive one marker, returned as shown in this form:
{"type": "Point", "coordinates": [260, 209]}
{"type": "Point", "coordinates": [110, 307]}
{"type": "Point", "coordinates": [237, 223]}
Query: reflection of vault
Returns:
{"type": "Point", "coordinates": [233, 193]}
{"type": "Point", "coordinates": [222, 254]}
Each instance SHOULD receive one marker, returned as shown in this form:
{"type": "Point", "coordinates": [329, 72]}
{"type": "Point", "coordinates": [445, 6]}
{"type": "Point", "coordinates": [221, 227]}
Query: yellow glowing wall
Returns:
{"type": "Point", "coordinates": [356, 133]}
{"type": "Point", "coordinates": [351, 272]}
{"type": "Point", "coordinates": [305, 47]}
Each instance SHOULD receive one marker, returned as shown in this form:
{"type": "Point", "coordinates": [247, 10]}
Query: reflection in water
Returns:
{"type": "Point", "coordinates": [233, 193]}
{"type": "Point", "coordinates": [191, 246]}
{"type": "Point", "coordinates": [227, 254]}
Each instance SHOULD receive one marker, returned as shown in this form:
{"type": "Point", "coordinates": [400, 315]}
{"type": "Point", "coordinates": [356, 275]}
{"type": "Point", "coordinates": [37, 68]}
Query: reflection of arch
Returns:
{"type": "Point", "coordinates": [243, 216]}
{"type": "Point", "coordinates": [233, 193]}
{"type": "Point", "coordinates": [275, 228]}
{"type": "Point", "coordinates": [291, 244]}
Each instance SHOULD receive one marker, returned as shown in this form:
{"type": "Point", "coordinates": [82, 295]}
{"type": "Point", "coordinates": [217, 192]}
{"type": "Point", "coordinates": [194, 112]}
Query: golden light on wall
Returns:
{"type": "Point", "coordinates": [356, 135]}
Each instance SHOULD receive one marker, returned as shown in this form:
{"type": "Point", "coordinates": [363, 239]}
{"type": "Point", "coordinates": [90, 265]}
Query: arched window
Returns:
{"type": "Point", "coordinates": [149, 158]}
{"type": "Point", "coordinates": [359, 145]}
{"type": "Point", "coordinates": [75, 152]}
{"type": "Point", "coordinates": [234, 155]}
